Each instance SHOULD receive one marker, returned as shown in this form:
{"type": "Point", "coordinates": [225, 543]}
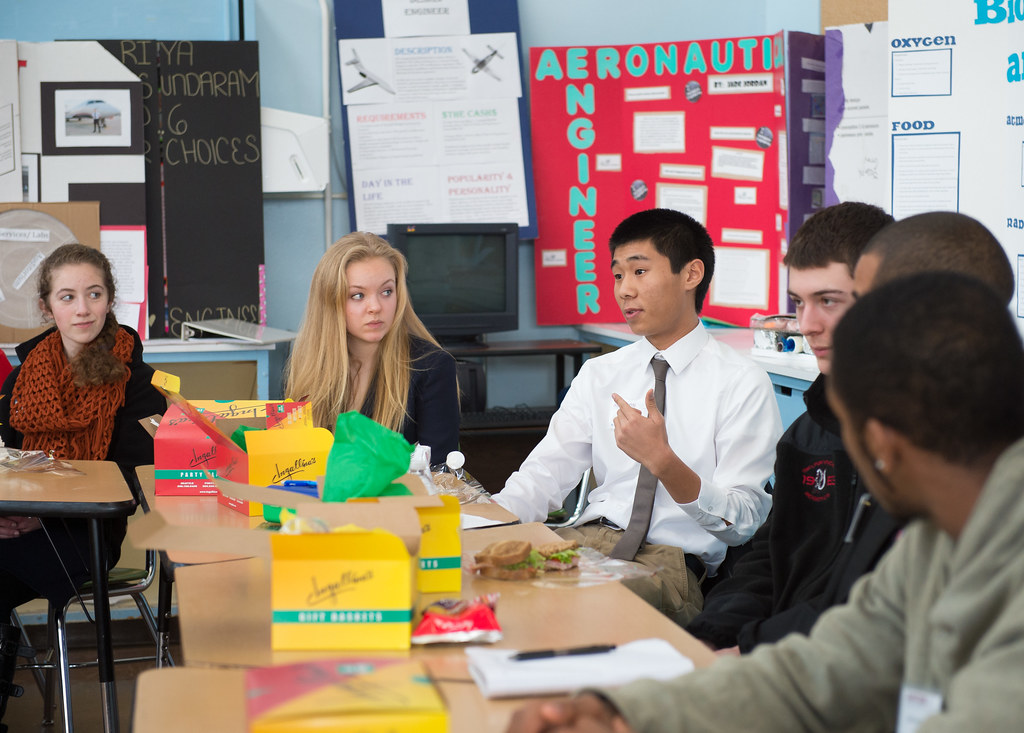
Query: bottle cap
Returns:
{"type": "Point", "coordinates": [455, 460]}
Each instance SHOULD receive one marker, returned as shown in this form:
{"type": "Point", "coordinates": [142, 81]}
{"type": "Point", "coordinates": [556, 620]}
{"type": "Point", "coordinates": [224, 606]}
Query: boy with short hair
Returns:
{"type": "Point", "coordinates": [675, 486]}
{"type": "Point", "coordinates": [784, 582]}
{"type": "Point", "coordinates": [937, 240]}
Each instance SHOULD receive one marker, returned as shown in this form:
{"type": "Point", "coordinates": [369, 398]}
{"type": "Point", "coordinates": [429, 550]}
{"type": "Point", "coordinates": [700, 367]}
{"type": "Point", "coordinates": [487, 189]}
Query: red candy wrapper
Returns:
{"type": "Point", "coordinates": [454, 620]}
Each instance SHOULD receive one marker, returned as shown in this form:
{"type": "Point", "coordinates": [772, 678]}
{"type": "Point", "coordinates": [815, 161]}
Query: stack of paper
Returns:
{"type": "Point", "coordinates": [498, 675]}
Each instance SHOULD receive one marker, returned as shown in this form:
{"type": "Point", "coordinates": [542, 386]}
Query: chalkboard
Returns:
{"type": "Point", "coordinates": [204, 190]}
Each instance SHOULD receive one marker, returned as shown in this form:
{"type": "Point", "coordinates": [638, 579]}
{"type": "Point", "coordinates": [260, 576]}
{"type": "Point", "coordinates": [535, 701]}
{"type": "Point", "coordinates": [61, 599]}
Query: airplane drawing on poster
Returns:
{"type": "Point", "coordinates": [482, 63]}
{"type": "Point", "coordinates": [369, 78]}
{"type": "Point", "coordinates": [367, 72]}
{"type": "Point", "coordinates": [398, 70]}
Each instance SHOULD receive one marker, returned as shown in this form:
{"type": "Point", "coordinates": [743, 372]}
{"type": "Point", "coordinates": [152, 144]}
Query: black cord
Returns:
{"type": "Point", "coordinates": [64, 567]}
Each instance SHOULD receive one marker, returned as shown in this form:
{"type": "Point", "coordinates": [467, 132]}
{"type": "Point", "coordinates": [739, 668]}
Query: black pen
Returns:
{"type": "Point", "coordinates": [570, 652]}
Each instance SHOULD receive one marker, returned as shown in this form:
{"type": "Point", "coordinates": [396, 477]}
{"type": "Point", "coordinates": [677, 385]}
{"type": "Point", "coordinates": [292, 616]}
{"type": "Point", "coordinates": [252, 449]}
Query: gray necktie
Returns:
{"type": "Point", "coordinates": [646, 484]}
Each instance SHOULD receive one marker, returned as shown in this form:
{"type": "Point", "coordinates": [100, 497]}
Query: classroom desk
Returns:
{"type": "Point", "coordinates": [224, 613]}
{"type": "Point", "coordinates": [197, 511]}
{"type": "Point", "coordinates": [200, 511]}
{"type": "Point", "coordinates": [99, 494]}
{"type": "Point", "coordinates": [206, 511]}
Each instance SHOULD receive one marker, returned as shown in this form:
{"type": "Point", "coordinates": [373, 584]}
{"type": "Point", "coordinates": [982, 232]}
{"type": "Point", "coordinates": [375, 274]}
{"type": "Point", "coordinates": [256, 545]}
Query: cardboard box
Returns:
{"type": "Point", "coordinates": [365, 695]}
{"type": "Point", "coordinates": [440, 554]}
{"type": "Point", "coordinates": [81, 217]}
{"type": "Point", "coordinates": [347, 589]}
{"type": "Point", "coordinates": [281, 453]}
{"type": "Point", "coordinates": [180, 457]}
{"type": "Point", "coordinates": [843, 12]}
{"type": "Point", "coordinates": [277, 449]}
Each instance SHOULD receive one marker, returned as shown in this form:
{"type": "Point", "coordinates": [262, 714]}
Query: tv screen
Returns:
{"type": "Point", "coordinates": [463, 278]}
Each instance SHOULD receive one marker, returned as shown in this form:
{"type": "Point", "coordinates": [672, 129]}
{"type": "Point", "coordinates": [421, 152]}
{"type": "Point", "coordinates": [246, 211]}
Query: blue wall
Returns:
{"type": "Point", "coordinates": [290, 41]}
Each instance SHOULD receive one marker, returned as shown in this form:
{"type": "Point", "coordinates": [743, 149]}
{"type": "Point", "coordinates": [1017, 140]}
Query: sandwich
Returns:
{"type": "Point", "coordinates": [509, 560]}
{"type": "Point", "coordinates": [562, 555]}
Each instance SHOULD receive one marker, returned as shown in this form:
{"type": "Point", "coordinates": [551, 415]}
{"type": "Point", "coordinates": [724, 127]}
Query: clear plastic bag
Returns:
{"type": "Point", "coordinates": [594, 568]}
{"type": "Point", "coordinates": [452, 479]}
{"type": "Point", "coordinates": [35, 461]}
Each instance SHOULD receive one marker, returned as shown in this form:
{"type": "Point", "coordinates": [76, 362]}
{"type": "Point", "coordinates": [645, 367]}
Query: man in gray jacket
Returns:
{"type": "Point", "coordinates": [926, 382]}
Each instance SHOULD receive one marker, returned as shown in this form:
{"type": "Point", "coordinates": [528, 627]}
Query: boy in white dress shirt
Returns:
{"type": "Point", "coordinates": [712, 449]}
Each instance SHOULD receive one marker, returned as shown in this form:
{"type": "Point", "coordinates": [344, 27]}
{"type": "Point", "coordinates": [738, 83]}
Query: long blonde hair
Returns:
{"type": "Point", "coordinates": [319, 369]}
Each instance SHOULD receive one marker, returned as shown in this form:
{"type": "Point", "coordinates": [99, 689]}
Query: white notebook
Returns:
{"type": "Point", "coordinates": [498, 675]}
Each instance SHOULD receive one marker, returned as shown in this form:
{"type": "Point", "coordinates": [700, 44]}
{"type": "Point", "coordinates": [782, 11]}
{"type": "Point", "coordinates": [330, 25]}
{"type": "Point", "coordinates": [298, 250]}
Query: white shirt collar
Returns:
{"type": "Point", "coordinates": [682, 352]}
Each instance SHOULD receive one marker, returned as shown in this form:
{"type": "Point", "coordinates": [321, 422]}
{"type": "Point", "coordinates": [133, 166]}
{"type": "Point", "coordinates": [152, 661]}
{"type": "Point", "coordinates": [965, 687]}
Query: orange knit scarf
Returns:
{"type": "Point", "coordinates": [51, 413]}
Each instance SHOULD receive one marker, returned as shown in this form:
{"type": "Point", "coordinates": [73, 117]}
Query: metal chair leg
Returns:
{"type": "Point", "coordinates": [37, 672]}
{"type": "Point", "coordinates": [49, 693]}
{"type": "Point", "coordinates": [163, 611]}
{"type": "Point", "coordinates": [60, 624]}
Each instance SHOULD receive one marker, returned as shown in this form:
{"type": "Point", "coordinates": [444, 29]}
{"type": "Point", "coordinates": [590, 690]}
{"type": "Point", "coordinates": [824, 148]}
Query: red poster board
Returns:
{"type": "Point", "coordinates": [697, 126]}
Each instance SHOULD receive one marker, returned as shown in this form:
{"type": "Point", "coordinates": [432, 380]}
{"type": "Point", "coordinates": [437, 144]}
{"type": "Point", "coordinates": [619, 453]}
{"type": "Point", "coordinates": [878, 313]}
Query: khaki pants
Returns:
{"type": "Point", "coordinates": [673, 589]}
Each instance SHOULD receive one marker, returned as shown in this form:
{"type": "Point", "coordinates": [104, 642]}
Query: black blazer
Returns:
{"type": "Point", "coordinates": [432, 410]}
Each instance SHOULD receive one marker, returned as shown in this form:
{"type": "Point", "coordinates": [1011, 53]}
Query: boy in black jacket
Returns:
{"type": "Point", "coordinates": [824, 531]}
{"type": "Point", "coordinates": [782, 583]}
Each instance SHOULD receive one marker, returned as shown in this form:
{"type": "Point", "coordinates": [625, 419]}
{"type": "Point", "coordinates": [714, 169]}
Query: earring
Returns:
{"type": "Point", "coordinates": [880, 465]}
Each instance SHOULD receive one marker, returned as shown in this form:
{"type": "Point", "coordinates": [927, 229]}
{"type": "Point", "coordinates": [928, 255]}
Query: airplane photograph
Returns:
{"type": "Point", "coordinates": [482, 63]}
{"type": "Point", "coordinates": [93, 116]}
{"type": "Point", "coordinates": [369, 78]}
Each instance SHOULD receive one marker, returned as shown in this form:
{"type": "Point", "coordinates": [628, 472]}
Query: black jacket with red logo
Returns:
{"type": "Point", "coordinates": [800, 562]}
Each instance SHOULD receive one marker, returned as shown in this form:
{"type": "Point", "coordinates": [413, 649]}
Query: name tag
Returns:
{"type": "Point", "coordinates": [916, 706]}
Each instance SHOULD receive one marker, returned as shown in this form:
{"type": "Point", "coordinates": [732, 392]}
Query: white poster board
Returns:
{"type": "Point", "coordinates": [857, 96]}
{"type": "Point", "coordinates": [956, 114]}
{"type": "Point", "coordinates": [434, 128]}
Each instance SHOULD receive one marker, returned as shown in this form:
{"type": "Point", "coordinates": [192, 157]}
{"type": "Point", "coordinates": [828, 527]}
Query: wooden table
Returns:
{"type": "Point", "coordinates": [199, 511]}
{"type": "Point", "coordinates": [206, 511]}
{"type": "Point", "coordinates": [99, 493]}
{"type": "Point", "coordinates": [224, 612]}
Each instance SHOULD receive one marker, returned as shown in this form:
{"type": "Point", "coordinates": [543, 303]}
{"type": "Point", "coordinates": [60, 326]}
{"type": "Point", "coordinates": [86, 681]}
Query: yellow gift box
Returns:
{"type": "Point", "coordinates": [194, 437]}
{"type": "Point", "coordinates": [290, 448]}
{"type": "Point", "coordinates": [439, 559]}
{"type": "Point", "coordinates": [368, 696]}
{"type": "Point", "coordinates": [347, 589]}
{"type": "Point", "coordinates": [440, 556]}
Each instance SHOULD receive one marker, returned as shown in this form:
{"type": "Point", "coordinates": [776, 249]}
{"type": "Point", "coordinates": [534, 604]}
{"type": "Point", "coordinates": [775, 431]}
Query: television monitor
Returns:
{"type": "Point", "coordinates": [463, 278]}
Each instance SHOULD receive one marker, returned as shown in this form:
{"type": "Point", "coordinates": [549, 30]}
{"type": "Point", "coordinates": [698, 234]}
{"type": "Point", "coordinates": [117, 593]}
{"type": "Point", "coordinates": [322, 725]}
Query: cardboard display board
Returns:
{"type": "Point", "coordinates": [203, 177]}
{"type": "Point", "coordinates": [28, 233]}
{"type": "Point", "coordinates": [434, 114]}
{"type": "Point", "coordinates": [79, 121]}
{"type": "Point", "coordinates": [11, 182]}
{"type": "Point", "coordinates": [956, 116]}
{"type": "Point", "coordinates": [857, 114]}
{"type": "Point", "coordinates": [695, 126]}
{"type": "Point", "coordinates": [805, 130]}
{"type": "Point", "coordinates": [843, 12]}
